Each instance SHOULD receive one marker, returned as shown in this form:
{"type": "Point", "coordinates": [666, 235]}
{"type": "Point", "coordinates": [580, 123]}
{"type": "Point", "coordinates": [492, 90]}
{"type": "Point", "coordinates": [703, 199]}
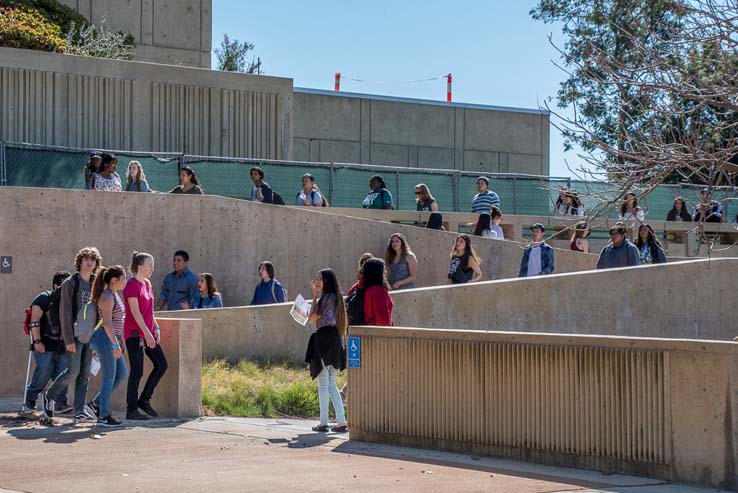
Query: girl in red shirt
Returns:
{"type": "Point", "coordinates": [377, 301]}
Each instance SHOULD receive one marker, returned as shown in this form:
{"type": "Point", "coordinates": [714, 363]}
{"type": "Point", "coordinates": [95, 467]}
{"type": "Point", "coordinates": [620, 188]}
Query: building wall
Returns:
{"type": "Point", "coordinates": [174, 32]}
{"type": "Point", "coordinates": [226, 237]}
{"type": "Point", "coordinates": [357, 128]}
{"type": "Point", "coordinates": [49, 98]}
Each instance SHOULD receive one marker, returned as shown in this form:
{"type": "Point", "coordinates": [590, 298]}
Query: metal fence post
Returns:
{"type": "Point", "coordinates": [330, 184]}
{"type": "Point", "coordinates": [397, 189]}
{"type": "Point", "coordinates": [515, 194]}
{"type": "Point", "coordinates": [456, 177]}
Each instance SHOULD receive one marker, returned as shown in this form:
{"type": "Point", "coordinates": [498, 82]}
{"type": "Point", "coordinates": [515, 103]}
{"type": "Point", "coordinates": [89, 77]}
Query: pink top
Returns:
{"type": "Point", "coordinates": [145, 296]}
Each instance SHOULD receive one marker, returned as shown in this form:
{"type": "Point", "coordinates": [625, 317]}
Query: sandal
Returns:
{"type": "Point", "coordinates": [340, 429]}
{"type": "Point", "coordinates": [321, 428]}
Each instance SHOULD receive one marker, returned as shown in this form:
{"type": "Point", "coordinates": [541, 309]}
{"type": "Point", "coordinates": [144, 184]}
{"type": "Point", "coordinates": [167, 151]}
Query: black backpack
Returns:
{"type": "Point", "coordinates": [277, 199]}
{"type": "Point", "coordinates": [55, 301]}
{"type": "Point", "coordinates": [355, 307]}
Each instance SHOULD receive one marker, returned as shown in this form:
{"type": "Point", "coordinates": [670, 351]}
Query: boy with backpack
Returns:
{"type": "Point", "coordinates": [48, 345]}
{"type": "Point", "coordinates": [262, 192]}
{"type": "Point", "coordinates": [75, 294]}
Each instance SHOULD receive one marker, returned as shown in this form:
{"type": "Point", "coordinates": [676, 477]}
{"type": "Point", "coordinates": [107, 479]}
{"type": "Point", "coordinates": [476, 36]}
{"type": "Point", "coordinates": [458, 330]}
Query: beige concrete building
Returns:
{"type": "Point", "coordinates": [175, 32]}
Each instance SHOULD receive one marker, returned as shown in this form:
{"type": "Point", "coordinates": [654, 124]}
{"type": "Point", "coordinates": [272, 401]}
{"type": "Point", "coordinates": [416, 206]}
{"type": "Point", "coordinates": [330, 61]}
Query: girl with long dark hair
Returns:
{"type": "Point", "coordinates": [402, 265]}
{"type": "Point", "coordinates": [207, 295]}
{"type": "Point", "coordinates": [326, 352]}
{"type": "Point", "coordinates": [106, 341]}
{"type": "Point", "coordinates": [142, 334]}
{"type": "Point", "coordinates": [377, 301]}
{"type": "Point", "coordinates": [630, 210]}
{"type": "Point", "coordinates": [465, 263]}
{"type": "Point", "coordinates": [579, 242]}
{"type": "Point", "coordinates": [484, 227]}
{"type": "Point", "coordinates": [188, 182]}
{"type": "Point", "coordinates": [679, 211]}
{"type": "Point", "coordinates": [651, 250]}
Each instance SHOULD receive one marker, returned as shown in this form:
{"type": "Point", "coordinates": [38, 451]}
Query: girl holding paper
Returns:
{"type": "Point", "coordinates": [326, 353]}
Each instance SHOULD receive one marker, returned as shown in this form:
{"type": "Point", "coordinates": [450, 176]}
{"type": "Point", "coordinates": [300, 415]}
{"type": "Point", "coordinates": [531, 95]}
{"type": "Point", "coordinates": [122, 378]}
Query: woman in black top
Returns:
{"type": "Point", "coordinates": [651, 250]}
{"type": "Point", "coordinates": [435, 221]}
{"type": "Point", "coordinates": [679, 211]}
{"type": "Point", "coordinates": [189, 183]}
{"type": "Point", "coordinates": [465, 263]}
{"type": "Point", "coordinates": [424, 199]}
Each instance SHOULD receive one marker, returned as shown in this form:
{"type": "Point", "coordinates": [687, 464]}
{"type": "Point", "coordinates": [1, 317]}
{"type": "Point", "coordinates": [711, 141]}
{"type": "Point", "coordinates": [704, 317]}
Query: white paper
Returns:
{"type": "Point", "coordinates": [300, 310]}
{"type": "Point", "coordinates": [95, 367]}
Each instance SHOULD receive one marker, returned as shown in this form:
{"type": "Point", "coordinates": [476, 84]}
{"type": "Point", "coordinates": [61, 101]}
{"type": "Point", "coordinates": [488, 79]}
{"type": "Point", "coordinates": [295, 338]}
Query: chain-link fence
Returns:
{"type": "Point", "coordinates": [345, 185]}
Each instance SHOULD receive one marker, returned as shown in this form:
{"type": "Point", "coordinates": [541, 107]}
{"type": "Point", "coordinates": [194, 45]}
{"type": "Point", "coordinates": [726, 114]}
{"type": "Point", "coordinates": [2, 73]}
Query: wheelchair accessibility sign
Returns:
{"type": "Point", "coordinates": [354, 352]}
{"type": "Point", "coordinates": [6, 265]}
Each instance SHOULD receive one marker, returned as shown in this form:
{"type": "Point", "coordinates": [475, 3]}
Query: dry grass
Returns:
{"type": "Point", "coordinates": [269, 389]}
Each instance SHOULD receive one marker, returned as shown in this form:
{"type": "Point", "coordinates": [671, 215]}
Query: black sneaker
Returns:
{"type": "Point", "coordinates": [108, 421]}
{"type": "Point", "coordinates": [30, 405]}
{"type": "Point", "coordinates": [92, 410]}
{"type": "Point", "coordinates": [136, 416]}
{"type": "Point", "coordinates": [47, 406]}
{"type": "Point", "coordinates": [145, 406]}
{"type": "Point", "coordinates": [81, 417]}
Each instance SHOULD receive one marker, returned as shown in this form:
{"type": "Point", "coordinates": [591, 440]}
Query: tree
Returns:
{"type": "Point", "coordinates": [652, 87]}
{"type": "Point", "coordinates": [232, 56]}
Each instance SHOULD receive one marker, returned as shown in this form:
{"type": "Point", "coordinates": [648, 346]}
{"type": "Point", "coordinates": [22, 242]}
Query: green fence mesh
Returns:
{"type": "Point", "coordinates": [345, 185]}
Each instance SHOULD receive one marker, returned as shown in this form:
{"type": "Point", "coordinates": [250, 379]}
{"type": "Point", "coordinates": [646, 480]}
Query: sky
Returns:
{"type": "Point", "coordinates": [497, 53]}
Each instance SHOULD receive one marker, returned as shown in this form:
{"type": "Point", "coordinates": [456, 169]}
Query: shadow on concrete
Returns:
{"type": "Point", "coordinates": [483, 464]}
{"type": "Point", "coordinates": [306, 440]}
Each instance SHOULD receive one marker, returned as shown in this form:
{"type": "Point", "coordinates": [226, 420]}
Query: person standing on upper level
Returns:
{"type": "Point", "coordinates": [538, 257]}
{"type": "Point", "coordinates": [379, 197]}
{"type": "Point", "coordinates": [619, 252]}
{"type": "Point", "coordinates": [106, 179]}
{"type": "Point", "coordinates": [188, 182]}
{"type": "Point", "coordinates": [486, 198]}
{"type": "Point", "coordinates": [261, 192]}
{"type": "Point", "coordinates": [424, 200]}
{"type": "Point", "coordinates": [401, 264]}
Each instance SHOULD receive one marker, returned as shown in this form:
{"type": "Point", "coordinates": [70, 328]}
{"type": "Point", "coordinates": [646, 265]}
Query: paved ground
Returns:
{"type": "Point", "coordinates": [239, 454]}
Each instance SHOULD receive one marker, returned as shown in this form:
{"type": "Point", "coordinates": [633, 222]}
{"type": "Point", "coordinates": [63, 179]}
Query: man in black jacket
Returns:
{"type": "Point", "coordinates": [620, 252]}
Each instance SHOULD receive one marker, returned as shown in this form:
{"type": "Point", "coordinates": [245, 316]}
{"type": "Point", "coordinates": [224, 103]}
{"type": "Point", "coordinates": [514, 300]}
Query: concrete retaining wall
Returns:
{"type": "Point", "coordinates": [362, 128]}
{"type": "Point", "coordinates": [49, 98]}
{"type": "Point", "coordinates": [175, 32]}
{"type": "Point", "coordinates": [653, 407]}
{"type": "Point", "coordinates": [42, 229]}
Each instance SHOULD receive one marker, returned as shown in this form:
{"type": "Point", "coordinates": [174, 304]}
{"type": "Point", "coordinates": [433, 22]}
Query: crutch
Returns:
{"type": "Point", "coordinates": [28, 374]}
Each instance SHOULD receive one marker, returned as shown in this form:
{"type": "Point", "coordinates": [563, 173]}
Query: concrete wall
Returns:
{"type": "Point", "coordinates": [49, 98]}
{"type": "Point", "coordinates": [360, 128]}
{"type": "Point", "coordinates": [691, 300]}
{"type": "Point", "coordinates": [226, 237]}
{"type": "Point", "coordinates": [653, 407]}
{"type": "Point", "coordinates": [175, 32]}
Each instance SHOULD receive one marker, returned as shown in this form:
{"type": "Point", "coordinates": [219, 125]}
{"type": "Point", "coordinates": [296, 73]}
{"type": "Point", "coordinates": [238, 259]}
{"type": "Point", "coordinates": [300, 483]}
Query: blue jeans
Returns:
{"type": "Point", "coordinates": [78, 369]}
{"type": "Point", "coordinates": [48, 366]}
{"type": "Point", "coordinates": [114, 370]}
{"type": "Point", "coordinates": [327, 387]}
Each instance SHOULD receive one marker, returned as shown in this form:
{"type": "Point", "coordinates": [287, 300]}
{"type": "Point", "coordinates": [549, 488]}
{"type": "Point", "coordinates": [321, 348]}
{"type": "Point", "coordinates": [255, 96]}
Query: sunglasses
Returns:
{"type": "Point", "coordinates": [417, 192]}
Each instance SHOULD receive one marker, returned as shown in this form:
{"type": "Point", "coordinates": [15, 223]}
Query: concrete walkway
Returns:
{"type": "Point", "coordinates": [242, 454]}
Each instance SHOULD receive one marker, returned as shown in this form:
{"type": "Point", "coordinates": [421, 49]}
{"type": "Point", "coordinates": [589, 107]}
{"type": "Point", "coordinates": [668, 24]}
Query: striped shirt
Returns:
{"type": "Point", "coordinates": [484, 201]}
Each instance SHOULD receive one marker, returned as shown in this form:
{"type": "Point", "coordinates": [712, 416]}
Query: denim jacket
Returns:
{"type": "Point", "coordinates": [215, 302]}
{"type": "Point", "coordinates": [547, 260]}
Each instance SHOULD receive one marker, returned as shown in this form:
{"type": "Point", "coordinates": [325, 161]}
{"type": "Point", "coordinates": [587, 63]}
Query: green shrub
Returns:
{"type": "Point", "coordinates": [27, 28]}
{"type": "Point", "coordinates": [268, 388]}
{"type": "Point", "coordinates": [98, 42]}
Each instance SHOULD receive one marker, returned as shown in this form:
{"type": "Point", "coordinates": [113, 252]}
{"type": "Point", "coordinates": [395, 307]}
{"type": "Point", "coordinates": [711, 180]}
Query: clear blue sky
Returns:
{"type": "Point", "coordinates": [497, 53]}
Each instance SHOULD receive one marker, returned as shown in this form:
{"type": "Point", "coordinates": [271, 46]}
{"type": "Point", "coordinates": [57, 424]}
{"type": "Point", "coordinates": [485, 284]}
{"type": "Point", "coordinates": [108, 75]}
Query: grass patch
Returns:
{"type": "Point", "coordinates": [267, 389]}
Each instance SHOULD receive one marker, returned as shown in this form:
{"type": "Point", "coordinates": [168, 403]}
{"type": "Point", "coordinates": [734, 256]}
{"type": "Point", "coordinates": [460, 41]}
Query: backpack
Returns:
{"type": "Point", "coordinates": [323, 201]}
{"type": "Point", "coordinates": [277, 199]}
{"type": "Point", "coordinates": [284, 290]}
{"type": "Point", "coordinates": [87, 322]}
{"type": "Point", "coordinates": [55, 301]}
{"type": "Point", "coordinates": [355, 307]}
{"type": "Point", "coordinates": [27, 322]}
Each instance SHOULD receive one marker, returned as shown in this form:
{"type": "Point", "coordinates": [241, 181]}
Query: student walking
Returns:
{"type": "Point", "coordinates": [579, 242]}
{"type": "Point", "coordinates": [207, 295]}
{"type": "Point", "coordinates": [378, 304]}
{"type": "Point", "coordinates": [143, 336]}
{"type": "Point", "coordinates": [538, 257]}
{"type": "Point", "coordinates": [136, 179]}
{"type": "Point", "coordinates": [630, 210]}
{"type": "Point", "coordinates": [465, 263]}
{"type": "Point", "coordinates": [619, 252]}
{"type": "Point", "coordinates": [268, 290]}
{"type": "Point", "coordinates": [424, 200]}
{"type": "Point", "coordinates": [402, 265]}
{"type": "Point", "coordinates": [92, 166]}
{"type": "Point", "coordinates": [379, 197]}
{"type": "Point", "coordinates": [496, 217]}
{"type": "Point", "coordinates": [326, 351]}
{"type": "Point", "coordinates": [106, 341]}
{"type": "Point", "coordinates": [106, 179]}
{"type": "Point", "coordinates": [261, 191]}
{"type": "Point", "coordinates": [48, 345]}
{"type": "Point", "coordinates": [484, 227]}
{"type": "Point", "coordinates": [310, 194]}
{"type": "Point", "coordinates": [179, 286]}
{"type": "Point", "coordinates": [651, 250]}
{"type": "Point", "coordinates": [486, 198]}
{"type": "Point", "coordinates": [188, 182]}
{"type": "Point", "coordinates": [75, 293]}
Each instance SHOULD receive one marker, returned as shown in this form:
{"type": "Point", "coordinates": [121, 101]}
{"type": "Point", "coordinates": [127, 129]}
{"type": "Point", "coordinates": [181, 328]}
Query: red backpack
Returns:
{"type": "Point", "coordinates": [27, 322]}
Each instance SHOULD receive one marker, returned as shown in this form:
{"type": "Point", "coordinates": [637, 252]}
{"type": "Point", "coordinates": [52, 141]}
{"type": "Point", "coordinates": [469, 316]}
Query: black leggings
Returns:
{"type": "Point", "coordinates": [136, 352]}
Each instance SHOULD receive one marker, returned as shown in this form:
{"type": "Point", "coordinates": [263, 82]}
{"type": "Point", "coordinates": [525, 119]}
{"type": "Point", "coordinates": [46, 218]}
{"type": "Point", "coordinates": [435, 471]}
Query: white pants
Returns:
{"type": "Point", "coordinates": [327, 387]}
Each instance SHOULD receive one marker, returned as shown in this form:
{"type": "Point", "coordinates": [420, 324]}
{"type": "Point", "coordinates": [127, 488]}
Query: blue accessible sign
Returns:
{"type": "Point", "coordinates": [354, 352]}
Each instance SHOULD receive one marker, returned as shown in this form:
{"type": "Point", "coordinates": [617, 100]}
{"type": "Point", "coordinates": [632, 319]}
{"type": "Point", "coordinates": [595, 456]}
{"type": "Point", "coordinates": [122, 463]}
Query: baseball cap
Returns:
{"type": "Point", "coordinates": [538, 226]}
